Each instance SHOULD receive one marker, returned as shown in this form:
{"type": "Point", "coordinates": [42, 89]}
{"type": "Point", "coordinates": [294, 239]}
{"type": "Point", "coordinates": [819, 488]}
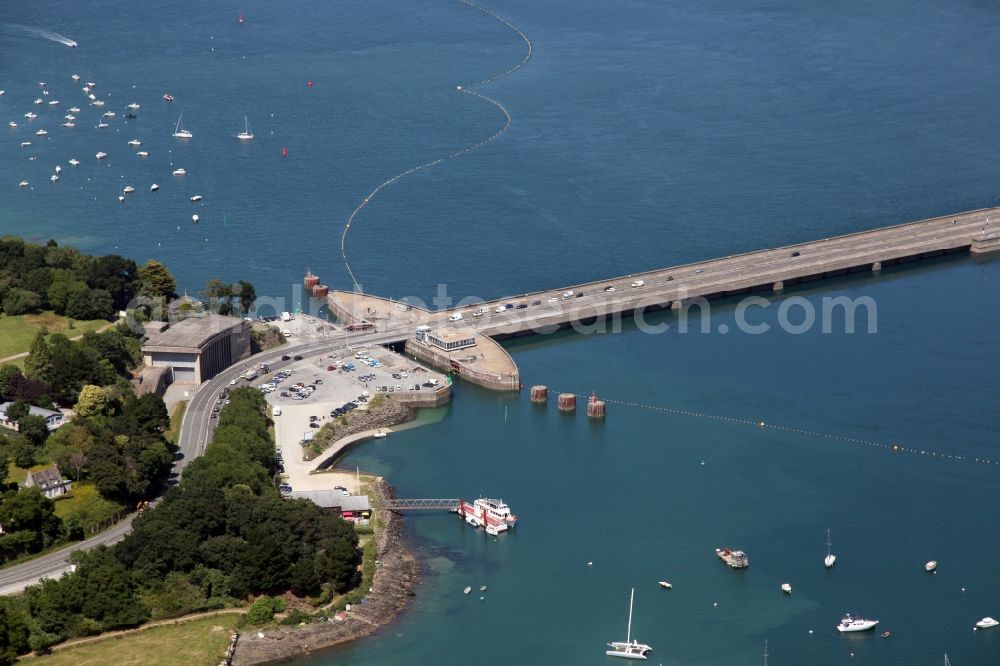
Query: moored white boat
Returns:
{"type": "Point", "coordinates": [179, 132]}
{"type": "Point", "coordinates": [30, 116]}
{"type": "Point", "coordinates": [786, 588]}
{"type": "Point", "coordinates": [41, 133]}
{"type": "Point", "coordinates": [930, 566]}
{"type": "Point", "coordinates": [75, 77]}
{"type": "Point", "coordinates": [154, 187]}
{"type": "Point", "coordinates": [665, 585]}
{"type": "Point", "coordinates": [379, 435]}
{"type": "Point", "coordinates": [54, 178]}
{"type": "Point", "coordinates": [109, 114]}
{"type": "Point", "coordinates": [101, 155]}
{"type": "Point", "coordinates": [133, 106]}
{"type": "Point", "coordinates": [197, 198]}
{"type": "Point", "coordinates": [97, 102]}
{"type": "Point", "coordinates": [468, 588]}
{"type": "Point", "coordinates": [179, 172]}
{"type": "Point", "coordinates": [246, 134]}
{"type": "Point", "coordinates": [830, 558]}
{"type": "Point", "coordinates": [69, 123]}
{"type": "Point", "coordinates": [74, 109]}
{"type": "Point", "coordinates": [135, 143]}
{"type": "Point", "coordinates": [195, 218]}
{"type": "Point", "coordinates": [128, 189]}
{"type": "Point", "coordinates": [25, 144]}
{"type": "Point", "coordinates": [23, 183]}
{"type": "Point", "coordinates": [54, 102]}
{"type": "Point", "coordinates": [851, 622]}
{"type": "Point", "coordinates": [12, 124]}
{"type": "Point", "coordinates": [986, 623]}
{"type": "Point", "coordinates": [628, 649]}
{"type": "Point", "coordinates": [74, 162]}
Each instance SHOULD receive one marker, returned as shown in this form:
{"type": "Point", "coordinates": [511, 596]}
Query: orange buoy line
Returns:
{"type": "Point", "coordinates": [764, 425]}
{"type": "Point", "coordinates": [464, 89]}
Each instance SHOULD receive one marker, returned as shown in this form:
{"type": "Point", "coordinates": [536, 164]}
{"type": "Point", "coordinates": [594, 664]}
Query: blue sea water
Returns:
{"type": "Point", "coordinates": [643, 134]}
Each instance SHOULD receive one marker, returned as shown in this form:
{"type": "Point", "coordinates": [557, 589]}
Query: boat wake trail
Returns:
{"type": "Point", "coordinates": [466, 89]}
{"type": "Point", "coordinates": [18, 30]}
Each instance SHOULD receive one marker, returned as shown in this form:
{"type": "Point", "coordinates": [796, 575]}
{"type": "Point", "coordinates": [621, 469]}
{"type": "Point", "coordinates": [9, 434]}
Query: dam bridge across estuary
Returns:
{"type": "Point", "coordinates": [544, 311]}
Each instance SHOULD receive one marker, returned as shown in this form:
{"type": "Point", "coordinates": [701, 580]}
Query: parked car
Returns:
{"type": "Point", "coordinates": [297, 357]}
{"type": "Point", "coordinates": [521, 306]}
{"type": "Point", "coordinates": [609, 288]}
{"type": "Point", "coordinates": [638, 283]}
{"type": "Point", "coordinates": [536, 302]}
{"type": "Point", "coordinates": [286, 357]}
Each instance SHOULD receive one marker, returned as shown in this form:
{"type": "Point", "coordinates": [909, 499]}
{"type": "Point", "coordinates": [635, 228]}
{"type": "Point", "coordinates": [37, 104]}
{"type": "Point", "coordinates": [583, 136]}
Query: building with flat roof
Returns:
{"type": "Point", "coordinates": [450, 339]}
{"type": "Point", "coordinates": [198, 348]}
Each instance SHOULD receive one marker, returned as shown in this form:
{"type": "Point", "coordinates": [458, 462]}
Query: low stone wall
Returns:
{"type": "Point", "coordinates": [392, 588]}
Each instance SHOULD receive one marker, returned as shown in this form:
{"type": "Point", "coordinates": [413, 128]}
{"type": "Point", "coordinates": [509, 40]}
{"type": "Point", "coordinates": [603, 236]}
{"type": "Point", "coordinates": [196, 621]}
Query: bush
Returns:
{"type": "Point", "coordinates": [296, 617]}
{"type": "Point", "coordinates": [261, 612]}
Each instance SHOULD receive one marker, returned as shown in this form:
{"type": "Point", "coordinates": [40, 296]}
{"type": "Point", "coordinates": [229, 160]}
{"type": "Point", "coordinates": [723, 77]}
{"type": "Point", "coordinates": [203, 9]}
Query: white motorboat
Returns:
{"type": "Point", "coordinates": [74, 109]}
{"type": "Point", "coordinates": [39, 101]}
{"type": "Point", "coordinates": [133, 106]}
{"type": "Point", "coordinates": [930, 566]}
{"type": "Point", "coordinates": [12, 124]}
{"type": "Point", "coordinates": [135, 143]}
{"type": "Point", "coordinates": [109, 114]}
{"type": "Point", "coordinates": [25, 144]}
{"type": "Point", "coordinates": [830, 558]}
{"type": "Point", "coordinates": [379, 435]}
{"type": "Point", "coordinates": [23, 183]}
{"type": "Point", "coordinates": [196, 198]}
{"type": "Point", "coordinates": [30, 116]}
{"type": "Point", "coordinates": [154, 187]}
{"type": "Point", "coordinates": [85, 89]}
{"type": "Point", "coordinates": [54, 102]}
{"type": "Point", "coordinates": [69, 123]}
{"type": "Point", "coordinates": [986, 623]}
{"type": "Point", "coordinates": [851, 622]}
{"type": "Point", "coordinates": [101, 155]}
{"type": "Point", "coordinates": [121, 198]}
{"type": "Point", "coordinates": [246, 134]}
{"type": "Point", "coordinates": [101, 125]}
{"type": "Point", "coordinates": [128, 189]}
{"type": "Point", "coordinates": [468, 588]}
{"type": "Point", "coordinates": [665, 585]}
{"type": "Point", "coordinates": [54, 178]}
{"type": "Point", "coordinates": [179, 172]}
{"type": "Point", "coordinates": [58, 169]}
{"type": "Point", "coordinates": [69, 116]}
{"type": "Point", "coordinates": [195, 218]}
{"type": "Point", "coordinates": [41, 133]}
{"type": "Point", "coordinates": [786, 588]}
{"type": "Point", "coordinates": [179, 132]}
{"type": "Point", "coordinates": [91, 84]}
{"type": "Point", "coordinates": [97, 102]}
{"type": "Point", "coordinates": [75, 77]}
{"type": "Point", "coordinates": [143, 154]}
{"type": "Point", "coordinates": [74, 162]}
{"type": "Point", "coordinates": [628, 649]}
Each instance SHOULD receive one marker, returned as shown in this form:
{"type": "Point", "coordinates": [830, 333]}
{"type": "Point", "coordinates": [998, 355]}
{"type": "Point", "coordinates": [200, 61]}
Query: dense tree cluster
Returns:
{"type": "Point", "coordinates": [63, 279]}
{"type": "Point", "coordinates": [222, 534]}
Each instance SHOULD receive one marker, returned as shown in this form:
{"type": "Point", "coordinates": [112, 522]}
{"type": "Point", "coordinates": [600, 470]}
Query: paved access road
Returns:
{"type": "Point", "coordinates": [196, 432]}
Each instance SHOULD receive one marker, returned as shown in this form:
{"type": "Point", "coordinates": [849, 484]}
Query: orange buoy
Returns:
{"type": "Point", "coordinates": [309, 83]}
{"type": "Point", "coordinates": [284, 152]}
{"type": "Point", "coordinates": [241, 19]}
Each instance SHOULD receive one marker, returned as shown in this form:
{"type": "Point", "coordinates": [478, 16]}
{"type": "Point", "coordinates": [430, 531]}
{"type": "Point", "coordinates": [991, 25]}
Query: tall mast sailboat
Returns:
{"type": "Point", "coordinates": [246, 134]}
{"type": "Point", "coordinates": [179, 132]}
{"type": "Point", "coordinates": [629, 649]}
{"type": "Point", "coordinates": [830, 557]}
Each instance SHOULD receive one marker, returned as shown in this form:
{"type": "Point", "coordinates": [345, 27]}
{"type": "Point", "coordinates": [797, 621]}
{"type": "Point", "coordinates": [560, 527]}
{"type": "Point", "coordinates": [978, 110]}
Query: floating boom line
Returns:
{"type": "Point", "coordinates": [466, 89]}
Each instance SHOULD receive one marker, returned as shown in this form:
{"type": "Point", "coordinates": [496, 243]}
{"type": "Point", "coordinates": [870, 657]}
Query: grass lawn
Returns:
{"type": "Point", "coordinates": [199, 642]}
{"type": "Point", "coordinates": [16, 333]}
{"type": "Point", "coordinates": [175, 421]}
{"type": "Point", "coordinates": [87, 504]}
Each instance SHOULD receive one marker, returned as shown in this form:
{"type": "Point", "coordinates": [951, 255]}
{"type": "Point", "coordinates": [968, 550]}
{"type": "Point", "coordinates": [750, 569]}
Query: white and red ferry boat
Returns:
{"type": "Point", "coordinates": [492, 514]}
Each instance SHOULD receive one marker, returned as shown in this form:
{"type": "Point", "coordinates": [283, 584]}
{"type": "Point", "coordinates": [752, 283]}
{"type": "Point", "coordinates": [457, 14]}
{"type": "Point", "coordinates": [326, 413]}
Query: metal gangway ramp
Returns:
{"type": "Point", "coordinates": [422, 504]}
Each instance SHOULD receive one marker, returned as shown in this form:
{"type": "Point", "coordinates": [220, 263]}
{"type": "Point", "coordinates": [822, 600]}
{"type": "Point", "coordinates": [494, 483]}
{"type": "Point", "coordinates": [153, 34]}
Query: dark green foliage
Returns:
{"type": "Point", "coordinates": [9, 376]}
{"type": "Point", "coordinates": [14, 631]}
{"type": "Point", "coordinates": [17, 411]}
{"type": "Point", "coordinates": [29, 522]}
{"type": "Point", "coordinates": [116, 275]}
{"type": "Point", "coordinates": [34, 429]}
{"type": "Point", "coordinates": [67, 366]}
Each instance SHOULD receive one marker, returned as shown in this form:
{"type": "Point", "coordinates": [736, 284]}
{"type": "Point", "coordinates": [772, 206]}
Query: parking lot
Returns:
{"type": "Point", "coordinates": [307, 392]}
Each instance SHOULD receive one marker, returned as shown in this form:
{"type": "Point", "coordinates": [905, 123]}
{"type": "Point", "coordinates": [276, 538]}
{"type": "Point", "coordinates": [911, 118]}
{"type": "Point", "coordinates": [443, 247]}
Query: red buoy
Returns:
{"type": "Point", "coordinates": [241, 19]}
{"type": "Point", "coordinates": [284, 152]}
{"type": "Point", "coordinates": [309, 83]}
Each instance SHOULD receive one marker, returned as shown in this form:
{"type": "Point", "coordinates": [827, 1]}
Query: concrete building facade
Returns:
{"type": "Point", "coordinates": [198, 348]}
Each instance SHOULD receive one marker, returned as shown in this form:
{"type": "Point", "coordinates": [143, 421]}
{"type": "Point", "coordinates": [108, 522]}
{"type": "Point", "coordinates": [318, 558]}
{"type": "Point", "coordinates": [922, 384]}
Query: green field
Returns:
{"type": "Point", "coordinates": [198, 642]}
{"type": "Point", "coordinates": [16, 333]}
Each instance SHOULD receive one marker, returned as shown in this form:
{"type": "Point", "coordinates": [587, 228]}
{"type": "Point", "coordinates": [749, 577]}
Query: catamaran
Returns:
{"type": "Point", "coordinates": [180, 133]}
{"type": "Point", "coordinates": [629, 649]}
{"type": "Point", "coordinates": [830, 557]}
{"type": "Point", "coordinates": [246, 134]}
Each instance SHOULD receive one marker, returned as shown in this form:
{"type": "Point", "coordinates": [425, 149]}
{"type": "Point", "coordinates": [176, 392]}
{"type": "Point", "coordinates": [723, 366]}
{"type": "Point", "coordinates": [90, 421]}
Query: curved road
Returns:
{"type": "Point", "coordinates": [196, 432]}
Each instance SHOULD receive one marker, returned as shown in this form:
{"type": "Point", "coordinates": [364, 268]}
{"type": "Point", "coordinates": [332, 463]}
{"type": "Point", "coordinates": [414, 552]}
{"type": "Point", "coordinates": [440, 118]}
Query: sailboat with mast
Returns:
{"type": "Point", "coordinates": [830, 558]}
{"type": "Point", "coordinates": [629, 649]}
{"type": "Point", "coordinates": [179, 132]}
{"type": "Point", "coordinates": [246, 134]}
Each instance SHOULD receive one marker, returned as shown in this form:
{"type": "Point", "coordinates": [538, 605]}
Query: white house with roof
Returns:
{"type": "Point", "coordinates": [53, 419]}
{"type": "Point", "coordinates": [49, 481]}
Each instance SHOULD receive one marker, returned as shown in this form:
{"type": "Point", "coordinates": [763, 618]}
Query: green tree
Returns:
{"type": "Point", "coordinates": [116, 275]}
{"type": "Point", "coordinates": [39, 361]}
{"type": "Point", "coordinates": [261, 611]}
{"type": "Point", "coordinates": [90, 304]}
{"type": "Point", "coordinates": [247, 295]}
{"type": "Point", "coordinates": [93, 401]}
{"type": "Point", "coordinates": [64, 285]}
{"type": "Point", "coordinates": [17, 411]}
{"type": "Point", "coordinates": [21, 301]}
{"type": "Point", "coordinates": [9, 375]}
{"type": "Point", "coordinates": [14, 632]}
{"type": "Point", "coordinates": [34, 429]}
{"type": "Point", "coordinates": [156, 281]}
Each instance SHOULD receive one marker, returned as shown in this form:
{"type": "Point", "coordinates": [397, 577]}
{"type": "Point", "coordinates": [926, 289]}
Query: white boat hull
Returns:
{"type": "Point", "coordinates": [830, 560]}
{"type": "Point", "coordinates": [863, 625]}
{"type": "Point", "coordinates": [625, 655]}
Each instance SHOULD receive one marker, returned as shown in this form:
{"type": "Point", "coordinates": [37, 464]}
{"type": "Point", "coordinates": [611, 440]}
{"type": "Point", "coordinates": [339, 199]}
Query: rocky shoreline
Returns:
{"type": "Point", "coordinates": [385, 414]}
{"type": "Point", "coordinates": [392, 589]}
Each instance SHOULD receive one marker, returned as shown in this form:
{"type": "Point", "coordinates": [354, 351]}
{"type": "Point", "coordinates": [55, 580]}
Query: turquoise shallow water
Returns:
{"type": "Point", "coordinates": [644, 134]}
